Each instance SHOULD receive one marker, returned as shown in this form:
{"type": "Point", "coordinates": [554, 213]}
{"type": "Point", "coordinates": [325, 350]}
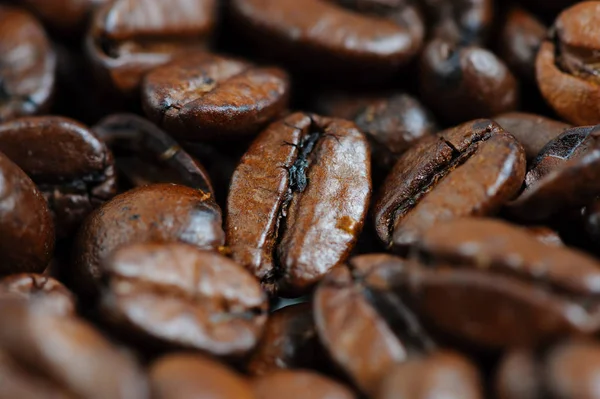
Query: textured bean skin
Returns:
{"type": "Point", "coordinates": [566, 68]}
{"type": "Point", "coordinates": [27, 65]}
{"type": "Point", "coordinates": [210, 97]}
{"type": "Point", "coordinates": [159, 212]}
{"type": "Point", "coordinates": [179, 296]}
{"type": "Point", "coordinates": [500, 286]}
{"type": "Point", "coordinates": [564, 175]}
{"type": "Point", "coordinates": [472, 169]}
{"type": "Point", "coordinates": [128, 38]}
{"type": "Point", "coordinates": [26, 227]}
{"type": "Point", "coordinates": [351, 39]}
{"type": "Point", "coordinates": [71, 167]}
{"type": "Point", "coordinates": [40, 291]}
{"type": "Point", "coordinates": [185, 376]}
{"type": "Point", "coordinates": [47, 355]}
{"type": "Point", "coordinates": [146, 154]}
{"type": "Point", "coordinates": [306, 209]}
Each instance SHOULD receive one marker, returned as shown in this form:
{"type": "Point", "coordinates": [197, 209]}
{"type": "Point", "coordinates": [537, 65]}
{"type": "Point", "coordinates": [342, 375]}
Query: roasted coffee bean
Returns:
{"type": "Point", "coordinates": [145, 154]}
{"type": "Point", "coordinates": [550, 6]}
{"type": "Point", "coordinates": [520, 39]}
{"type": "Point", "coordinates": [460, 21]}
{"type": "Point", "coordinates": [492, 284]}
{"type": "Point", "coordinates": [566, 370]}
{"type": "Point", "coordinates": [298, 200]}
{"type": "Point", "coordinates": [460, 82]}
{"type": "Point", "coordinates": [128, 38]}
{"type": "Point", "coordinates": [392, 122]}
{"type": "Point", "coordinates": [567, 68]}
{"type": "Point", "coordinates": [545, 235]}
{"type": "Point", "coordinates": [191, 376]}
{"type": "Point", "coordinates": [44, 355]}
{"type": "Point", "coordinates": [205, 96]}
{"type": "Point", "coordinates": [289, 342]}
{"type": "Point", "coordinates": [27, 65]}
{"type": "Point", "coordinates": [365, 332]}
{"type": "Point", "coordinates": [440, 375]}
{"type": "Point", "coordinates": [354, 40]}
{"type": "Point", "coordinates": [176, 295]}
{"type": "Point", "coordinates": [64, 16]}
{"type": "Point", "coordinates": [26, 228]}
{"type": "Point", "coordinates": [71, 167]}
{"type": "Point", "coordinates": [532, 131]}
{"type": "Point", "coordinates": [472, 169]}
{"type": "Point", "coordinates": [40, 291]}
{"type": "Point", "coordinates": [565, 174]}
{"type": "Point", "coordinates": [298, 385]}
{"type": "Point", "coordinates": [159, 212]}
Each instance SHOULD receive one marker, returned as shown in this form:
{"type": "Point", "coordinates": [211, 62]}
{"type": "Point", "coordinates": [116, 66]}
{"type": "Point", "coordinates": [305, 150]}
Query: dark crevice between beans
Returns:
{"type": "Point", "coordinates": [458, 158]}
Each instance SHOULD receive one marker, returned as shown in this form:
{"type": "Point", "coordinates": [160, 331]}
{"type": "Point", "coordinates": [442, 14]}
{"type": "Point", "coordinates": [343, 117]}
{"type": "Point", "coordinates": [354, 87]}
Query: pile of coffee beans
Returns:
{"type": "Point", "coordinates": [299, 199]}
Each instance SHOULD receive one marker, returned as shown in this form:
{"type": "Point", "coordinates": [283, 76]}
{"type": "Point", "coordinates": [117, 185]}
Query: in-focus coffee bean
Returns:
{"type": "Point", "coordinates": [470, 170]}
{"type": "Point", "coordinates": [298, 200]}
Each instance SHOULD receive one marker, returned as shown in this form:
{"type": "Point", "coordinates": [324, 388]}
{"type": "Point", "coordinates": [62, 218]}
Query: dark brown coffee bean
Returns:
{"type": "Point", "coordinates": [65, 16]}
{"type": "Point", "coordinates": [392, 123]}
{"type": "Point", "coordinates": [44, 355]}
{"type": "Point", "coordinates": [290, 341]}
{"type": "Point", "coordinates": [40, 291]}
{"type": "Point", "coordinates": [159, 212]}
{"type": "Point", "coordinates": [567, 370]}
{"type": "Point", "coordinates": [298, 385]}
{"type": "Point", "coordinates": [145, 154]}
{"type": "Point", "coordinates": [176, 295]}
{"type": "Point", "coordinates": [464, 21]}
{"type": "Point", "coordinates": [351, 39]}
{"type": "Point", "coordinates": [27, 65]}
{"type": "Point", "coordinates": [470, 170]}
{"type": "Point", "coordinates": [532, 131]}
{"type": "Point", "coordinates": [26, 228]}
{"type": "Point", "coordinates": [128, 38]}
{"type": "Point", "coordinates": [365, 334]}
{"type": "Point", "coordinates": [441, 374]}
{"type": "Point", "coordinates": [567, 68]}
{"type": "Point", "coordinates": [191, 376]}
{"type": "Point", "coordinates": [71, 167]}
{"type": "Point", "coordinates": [520, 39]}
{"type": "Point", "coordinates": [566, 174]}
{"type": "Point", "coordinates": [298, 200]}
{"type": "Point", "coordinates": [493, 284]}
{"type": "Point", "coordinates": [460, 82]}
{"type": "Point", "coordinates": [205, 96]}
